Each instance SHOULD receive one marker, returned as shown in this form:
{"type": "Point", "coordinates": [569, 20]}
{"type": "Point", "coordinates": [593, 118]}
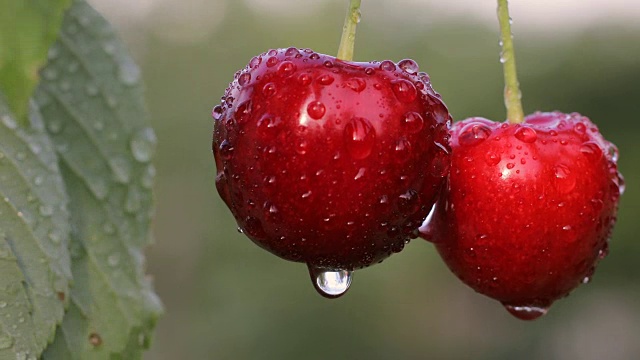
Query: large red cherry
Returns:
{"type": "Point", "coordinates": [528, 208]}
{"type": "Point", "coordinates": [328, 162]}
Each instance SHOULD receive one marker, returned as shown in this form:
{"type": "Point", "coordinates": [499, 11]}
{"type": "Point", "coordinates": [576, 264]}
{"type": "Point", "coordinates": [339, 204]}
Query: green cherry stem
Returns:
{"type": "Point", "coordinates": [512, 94]}
{"type": "Point", "coordinates": [347, 42]}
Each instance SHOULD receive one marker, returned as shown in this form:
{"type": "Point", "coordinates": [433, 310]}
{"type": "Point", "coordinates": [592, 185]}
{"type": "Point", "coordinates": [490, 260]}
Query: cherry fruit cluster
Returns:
{"type": "Point", "coordinates": [337, 164]}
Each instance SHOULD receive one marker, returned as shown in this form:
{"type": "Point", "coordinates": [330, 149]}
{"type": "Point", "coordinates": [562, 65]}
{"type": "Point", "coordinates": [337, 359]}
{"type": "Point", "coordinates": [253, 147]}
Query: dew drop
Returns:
{"type": "Point", "coordinates": [143, 144]}
{"type": "Point", "coordinates": [526, 312]}
{"type": "Point", "coordinates": [492, 158]}
{"type": "Point", "coordinates": [304, 79]}
{"type": "Point", "coordinates": [526, 134]}
{"type": "Point", "coordinates": [402, 149]}
{"type": "Point", "coordinates": [580, 128]}
{"type": "Point", "coordinates": [302, 146]}
{"type": "Point", "coordinates": [286, 69]}
{"type": "Point", "coordinates": [243, 112]}
{"type": "Point", "coordinates": [613, 152]}
{"type": "Point", "coordinates": [408, 66]}
{"type": "Point", "coordinates": [292, 52]}
{"type": "Point", "coordinates": [412, 122]}
{"type": "Point", "coordinates": [226, 149]}
{"type": "Point", "coordinates": [356, 84]}
{"type": "Point", "coordinates": [565, 180]}
{"type": "Point", "coordinates": [473, 134]}
{"type": "Point", "coordinates": [325, 79]}
{"type": "Point", "coordinates": [591, 150]}
{"type": "Point", "coordinates": [404, 90]}
{"type": "Point", "coordinates": [330, 283]}
{"type": "Point", "coordinates": [244, 79]}
{"type": "Point", "coordinates": [216, 113]}
{"type": "Point", "coordinates": [269, 126]}
{"type": "Point", "coordinates": [359, 138]}
{"type": "Point", "coordinates": [316, 109]}
{"type": "Point", "coordinates": [269, 89]}
{"type": "Point", "coordinates": [255, 62]}
{"type": "Point", "coordinates": [387, 65]}
{"type": "Point", "coordinates": [441, 161]}
{"type": "Point", "coordinates": [272, 61]}
{"type": "Point", "coordinates": [128, 72]}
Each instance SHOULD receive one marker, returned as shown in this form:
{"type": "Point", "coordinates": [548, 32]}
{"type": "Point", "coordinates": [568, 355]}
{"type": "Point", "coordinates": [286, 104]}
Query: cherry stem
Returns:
{"type": "Point", "coordinates": [348, 40]}
{"type": "Point", "coordinates": [512, 94]}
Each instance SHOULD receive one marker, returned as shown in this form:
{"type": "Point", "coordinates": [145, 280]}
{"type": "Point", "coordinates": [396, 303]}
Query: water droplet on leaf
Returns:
{"type": "Point", "coordinates": [143, 144]}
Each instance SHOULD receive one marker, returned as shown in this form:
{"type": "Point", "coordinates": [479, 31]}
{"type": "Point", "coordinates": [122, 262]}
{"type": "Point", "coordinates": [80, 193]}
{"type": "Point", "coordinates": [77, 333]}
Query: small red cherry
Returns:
{"type": "Point", "coordinates": [528, 208]}
{"type": "Point", "coordinates": [321, 160]}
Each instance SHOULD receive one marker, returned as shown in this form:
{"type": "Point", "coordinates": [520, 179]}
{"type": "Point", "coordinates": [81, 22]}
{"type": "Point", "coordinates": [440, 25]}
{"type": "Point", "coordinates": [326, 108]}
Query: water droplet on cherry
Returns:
{"type": "Point", "coordinates": [269, 89]}
{"type": "Point", "coordinates": [244, 79]}
{"type": "Point", "coordinates": [216, 113]}
{"type": "Point", "coordinates": [255, 62]}
{"type": "Point", "coordinates": [356, 84]}
{"type": "Point", "coordinates": [404, 90]}
{"type": "Point", "coordinates": [412, 121]}
{"type": "Point", "coordinates": [286, 68]}
{"type": "Point", "coordinates": [272, 61]}
{"type": "Point", "coordinates": [387, 65]}
{"type": "Point", "coordinates": [226, 150]}
{"type": "Point", "coordinates": [316, 110]}
{"type": "Point", "coordinates": [526, 134]}
{"type": "Point", "coordinates": [473, 134]}
{"type": "Point", "coordinates": [325, 80]}
{"type": "Point", "coordinates": [304, 79]}
{"type": "Point", "coordinates": [565, 180]}
{"type": "Point", "coordinates": [591, 150]}
{"type": "Point", "coordinates": [359, 138]}
{"type": "Point", "coordinates": [408, 66]}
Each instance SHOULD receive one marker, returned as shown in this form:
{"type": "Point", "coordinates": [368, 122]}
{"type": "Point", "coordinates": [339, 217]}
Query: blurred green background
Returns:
{"type": "Point", "coordinates": [227, 299]}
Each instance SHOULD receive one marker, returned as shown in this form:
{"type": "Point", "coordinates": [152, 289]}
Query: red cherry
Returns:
{"type": "Point", "coordinates": [528, 208]}
{"type": "Point", "coordinates": [318, 159]}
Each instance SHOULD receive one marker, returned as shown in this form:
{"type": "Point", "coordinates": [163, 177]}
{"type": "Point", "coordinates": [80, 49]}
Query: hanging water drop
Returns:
{"type": "Point", "coordinates": [330, 283]}
{"type": "Point", "coordinates": [526, 312]}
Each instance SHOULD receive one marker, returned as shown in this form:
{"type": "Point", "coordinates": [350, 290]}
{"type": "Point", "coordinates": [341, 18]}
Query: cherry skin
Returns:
{"type": "Point", "coordinates": [329, 162]}
{"type": "Point", "coordinates": [528, 209]}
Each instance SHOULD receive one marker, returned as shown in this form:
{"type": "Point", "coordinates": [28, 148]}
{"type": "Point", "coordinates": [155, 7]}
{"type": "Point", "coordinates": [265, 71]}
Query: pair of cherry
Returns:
{"type": "Point", "coordinates": [337, 164]}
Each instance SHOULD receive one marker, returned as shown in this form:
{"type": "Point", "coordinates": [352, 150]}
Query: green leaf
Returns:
{"type": "Point", "coordinates": [35, 268]}
{"type": "Point", "coordinates": [92, 102]}
{"type": "Point", "coordinates": [27, 29]}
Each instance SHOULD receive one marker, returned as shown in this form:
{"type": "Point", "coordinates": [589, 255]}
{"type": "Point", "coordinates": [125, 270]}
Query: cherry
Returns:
{"type": "Point", "coordinates": [328, 162]}
{"type": "Point", "coordinates": [528, 208]}
{"type": "Point", "coordinates": [529, 204]}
